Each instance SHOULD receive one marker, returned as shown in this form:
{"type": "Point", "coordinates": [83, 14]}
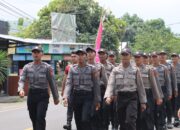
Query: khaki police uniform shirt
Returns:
{"type": "Point", "coordinates": [108, 67]}
{"type": "Point", "coordinates": [83, 78]}
{"type": "Point", "coordinates": [149, 80]}
{"type": "Point", "coordinates": [102, 73]}
{"type": "Point", "coordinates": [126, 80]}
{"type": "Point", "coordinates": [164, 78]}
{"type": "Point", "coordinates": [39, 76]}
{"type": "Point", "coordinates": [177, 71]}
{"type": "Point", "coordinates": [173, 78]}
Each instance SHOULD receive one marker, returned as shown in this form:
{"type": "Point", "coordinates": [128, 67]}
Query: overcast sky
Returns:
{"type": "Point", "coordinates": [169, 10]}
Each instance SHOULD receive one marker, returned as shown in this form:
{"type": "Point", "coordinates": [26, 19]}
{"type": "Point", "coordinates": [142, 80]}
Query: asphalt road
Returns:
{"type": "Point", "coordinates": [14, 116]}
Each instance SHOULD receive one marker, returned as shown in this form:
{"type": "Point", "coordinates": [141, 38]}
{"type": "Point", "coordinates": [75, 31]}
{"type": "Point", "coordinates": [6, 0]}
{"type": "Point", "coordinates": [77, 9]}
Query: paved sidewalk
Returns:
{"type": "Point", "coordinates": [10, 99]}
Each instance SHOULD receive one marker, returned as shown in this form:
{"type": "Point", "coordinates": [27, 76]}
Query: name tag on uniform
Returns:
{"type": "Point", "coordinates": [119, 76]}
{"type": "Point", "coordinates": [145, 75]}
{"type": "Point", "coordinates": [132, 76]}
{"type": "Point", "coordinates": [82, 86]}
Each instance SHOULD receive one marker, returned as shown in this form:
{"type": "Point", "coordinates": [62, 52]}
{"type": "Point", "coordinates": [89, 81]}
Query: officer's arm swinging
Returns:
{"type": "Point", "coordinates": [22, 81]}
{"type": "Point", "coordinates": [52, 84]}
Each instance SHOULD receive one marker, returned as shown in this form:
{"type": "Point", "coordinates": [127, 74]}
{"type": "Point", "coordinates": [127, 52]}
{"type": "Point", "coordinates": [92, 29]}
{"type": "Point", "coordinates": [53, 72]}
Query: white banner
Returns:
{"type": "Point", "coordinates": [56, 49]}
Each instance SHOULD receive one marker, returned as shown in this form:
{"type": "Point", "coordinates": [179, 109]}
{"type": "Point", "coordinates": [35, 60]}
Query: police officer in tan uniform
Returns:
{"type": "Point", "coordinates": [145, 57]}
{"type": "Point", "coordinates": [165, 83]}
{"type": "Point", "coordinates": [107, 109]}
{"type": "Point", "coordinates": [74, 60]}
{"type": "Point", "coordinates": [176, 102]}
{"type": "Point", "coordinates": [112, 58]}
{"type": "Point", "coordinates": [114, 115]}
{"type": "Point", "coordinates": [83, 84]}
{"type": "Point", "coordinates": [146, 118]}
{"type": "Point", "coordinates": [38, 74]}
{"type": "Point", "coordinates": [125, 82]}
{"type": "Point", "coordinates": [169, 107]}
{"type": "Point", "coordinates": [97, 119]}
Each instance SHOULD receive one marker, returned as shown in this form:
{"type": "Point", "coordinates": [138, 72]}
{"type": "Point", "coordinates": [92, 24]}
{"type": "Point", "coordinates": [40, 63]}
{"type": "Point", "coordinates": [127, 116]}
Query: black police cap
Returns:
{"type": "Point", "coordinates": [90, 49]}
{"type": "Point", "coordinates": [37, 48]}
{"type": "Point", "coordinates": [111, 53]}
{"type": "Point", "coordinates": [163, 52]}
{"type": "Point", "coordinates": [138, 53]}
{"type": "Point", "coordinates": [80, 51]}
{"type": "Point", "coordinates": [102, 50]}
{"type": "Point", "coordinates": [126, 51]}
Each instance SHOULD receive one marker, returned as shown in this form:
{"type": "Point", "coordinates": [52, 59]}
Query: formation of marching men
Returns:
{"type": "Point", "coordinates": [142, 92]}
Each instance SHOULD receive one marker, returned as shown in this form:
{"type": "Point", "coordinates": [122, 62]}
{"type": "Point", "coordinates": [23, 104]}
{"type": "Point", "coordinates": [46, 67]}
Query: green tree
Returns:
{"type": "Point", "coordinates": [88, 14]}
{"type": "Point", "coordinates": [155, 36]}
{"type": "Point", "coordinates": [20, 22]}
{"type": "Point", "coordinates": [113, 32]}
{"type": "Point", "coordinates": [4, 64]}
{"type": "Point", "coordinates": [134, 25]}
{"type": "Point", "coordinates": [87, 18]}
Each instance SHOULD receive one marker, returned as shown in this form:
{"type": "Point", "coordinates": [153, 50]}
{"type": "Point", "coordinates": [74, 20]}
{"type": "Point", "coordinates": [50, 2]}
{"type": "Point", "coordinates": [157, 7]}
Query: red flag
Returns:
{"type": "Point", "coordinates": [98, 39]}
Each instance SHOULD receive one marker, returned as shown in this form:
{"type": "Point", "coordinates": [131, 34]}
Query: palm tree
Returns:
{"type": "Point", "coordinates": [4, 64]}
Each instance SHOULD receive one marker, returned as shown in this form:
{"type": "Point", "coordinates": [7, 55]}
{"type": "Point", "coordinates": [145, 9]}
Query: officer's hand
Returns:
{"type": "Point", "coordinates": [179, 113]}
{"type": "Point", "coordinates": [175, 93]}
{"type": "Point", "coordinates": [159, 101]}
{"type": "Point", "coordinates": [108, 100]}
{"type": "Point", "coordinates": [65, 102]}
{"type": "Point", "coordinates": [143, 107]}
{"type": "Point", "coordinates": [56, 102]}
{"type": "Point", "coordinates": [21, 93]}
{"type": "Point", "coordinates": [98, 106]}
{"type": "Point", "coordinates": [62, 94]}
{"type": "Point", "coordinates": [169, 97]}
{"type": "Point", "coordinates": [114, 98]}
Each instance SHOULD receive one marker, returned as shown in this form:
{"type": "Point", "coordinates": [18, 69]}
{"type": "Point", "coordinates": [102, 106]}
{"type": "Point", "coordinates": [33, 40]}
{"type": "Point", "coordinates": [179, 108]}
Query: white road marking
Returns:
{"type": "Point", "coordinates": [11, 109]}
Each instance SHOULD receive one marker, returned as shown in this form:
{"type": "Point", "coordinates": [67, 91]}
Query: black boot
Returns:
{"type": "Point", "coordinates": [67, 126]}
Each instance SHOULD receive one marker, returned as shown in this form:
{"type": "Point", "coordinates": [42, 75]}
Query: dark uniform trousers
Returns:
{"type": "Point", "coordinates": [177, 105]}
{"type": "Point", "coordinates": [37, 102]}
{"type": "Point", "coordinates": [127, 110]}
{"type": "Point", "coordinates": [169, 110]}
{"type": "Point", "coordinates": [82, 107]}
{"type": "Point", "coordinates": [145, 119]}
{"type": "Point", "coordinates": [69, 111]}
{"type": "Point", "coordinates": [100, 119]}
{"type": "Point", "coordinates": [160, 112]}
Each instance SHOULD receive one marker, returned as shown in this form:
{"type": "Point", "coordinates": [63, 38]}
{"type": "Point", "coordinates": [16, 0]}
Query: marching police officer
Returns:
{"type": "Point", "coordinates": [112, 58]}
{"type": "Point", "coordinates": [164, 80]}
{"type": "Point", "coordinates": [103, 55]}
{"type": "Point", "coordinates": [176, 64]}
{"type": "Point", "coordinates": [97, 117]}
{"type": "Point", "coordinates": [145, 59]}
{"type": "Point", "coordinates": [115, 122]}
{"type": "Point", "coordinates": [107, 109]}
{"type": "Point", "coordinates": [125, 82]}
{"type": "Point", "coordinates": [83, 84]}
{"type": "Point", "coordinates": [74, 60]}
{"type": "Point", "coordinates": [146, 118]}
{"type": "Point", "coordinates": [169, 110]}
{"type": "Point", "coordinates": [38, 74]}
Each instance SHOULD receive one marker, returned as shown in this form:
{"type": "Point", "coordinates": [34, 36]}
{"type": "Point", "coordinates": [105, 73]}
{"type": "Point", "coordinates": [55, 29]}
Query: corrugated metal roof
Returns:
{"type": "Point", "coordinates": [38, 41]}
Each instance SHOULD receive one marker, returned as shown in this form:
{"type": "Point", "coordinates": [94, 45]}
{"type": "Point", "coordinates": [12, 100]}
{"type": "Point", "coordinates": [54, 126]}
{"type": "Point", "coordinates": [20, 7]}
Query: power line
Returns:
{"type": "Point", "coordinates": [173, 24]}
{"type": "Point", "coordinates": [8, 12]}
{"type": "Point", "coordinates": [18, 9]}
{"type": "Point", "coordinates": [12, 10]}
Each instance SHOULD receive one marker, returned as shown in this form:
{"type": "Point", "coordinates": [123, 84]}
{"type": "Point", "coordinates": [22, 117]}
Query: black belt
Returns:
{"type": "Point", "coordinates": [38, 90]}
{"type": "Point", "coordinates": [127, 93]}
{"type": "Point", "coordinates": [83, 92]}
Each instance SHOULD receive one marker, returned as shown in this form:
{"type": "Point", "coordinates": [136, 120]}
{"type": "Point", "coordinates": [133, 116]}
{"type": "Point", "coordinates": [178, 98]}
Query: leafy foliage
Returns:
{"type": "Point", "coordinates": [4, 64]}
{"type": "Point", "coordinates": [88, 14]}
